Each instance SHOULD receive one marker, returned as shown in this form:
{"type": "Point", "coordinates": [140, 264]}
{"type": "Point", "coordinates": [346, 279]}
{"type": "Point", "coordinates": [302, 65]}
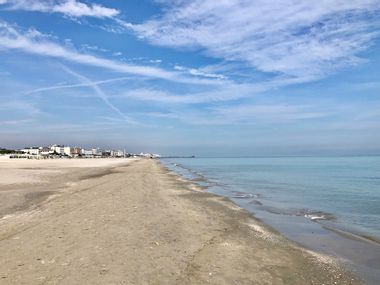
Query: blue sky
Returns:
{"type": "Point", "coordinates": [197, 77]}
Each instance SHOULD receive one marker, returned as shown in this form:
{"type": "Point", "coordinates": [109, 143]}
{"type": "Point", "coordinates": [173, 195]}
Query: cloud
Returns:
{"type": "Point", "coordinates": [25, 107]}
{"type": "Point", "coordinates": [94, 48]}
{"type": "Point", "coordinates": [227, 92]}
{"type": "Point", "coordinates": [71, 8]}
{"type": "Point", "coordinates": [198, 72]}
{"type": "Point", "coordinates": [274, 113]}
{"type": "Point", "coordinates": [252, 114]}
{"type": "Point", "coordinates": [67, 86]}
{"type": "Point", "coordinates": [98, 92]}
{"type": "Point", "coordinates": [299, 40]}
{"type": "Point", "coordinates": [16, 122]}
{"type": "Point", "coordinates": [13, 39]}
{"type": "Point", "coordinates": [162, 96]}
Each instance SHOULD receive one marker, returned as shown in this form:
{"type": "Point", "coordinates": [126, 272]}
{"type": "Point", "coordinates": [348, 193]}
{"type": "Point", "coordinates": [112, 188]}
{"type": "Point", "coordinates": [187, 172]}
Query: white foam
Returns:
{"type": "Point", "coordinates": [315, 217]}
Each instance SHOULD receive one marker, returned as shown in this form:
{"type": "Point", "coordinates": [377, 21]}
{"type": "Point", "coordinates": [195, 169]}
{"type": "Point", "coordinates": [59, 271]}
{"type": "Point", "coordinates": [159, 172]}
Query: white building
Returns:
{"type": "Point", "coordinates": [31, 150]}
{"type": "Point", "coordinates": [87, 152]}
{"type": "Point", "coordinates": [76, 151]}
{"type": "Point", "coordinates": [45, 150]}
{"type": "Point", "coordinates": [60, 149]}
{"type": "Point", "coordinates": [5, 156]}
{"type": "Point", "coordinates": [68, 151]}
{"type": "Point", "coordinates": [118, 153]}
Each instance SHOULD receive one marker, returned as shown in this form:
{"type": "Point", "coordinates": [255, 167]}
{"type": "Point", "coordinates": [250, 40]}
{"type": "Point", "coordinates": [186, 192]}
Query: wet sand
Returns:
{"type": "Point", "coordinates": [136, 223]}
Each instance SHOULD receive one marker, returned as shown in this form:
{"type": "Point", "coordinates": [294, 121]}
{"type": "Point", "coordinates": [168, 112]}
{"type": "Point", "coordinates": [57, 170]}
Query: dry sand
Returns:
{"type": "Point", "coordinates": [16, 171]}
{"type": "Point", "coordinates": [135, 223]}
{"type": "Point", "coordinates": [25, 182]}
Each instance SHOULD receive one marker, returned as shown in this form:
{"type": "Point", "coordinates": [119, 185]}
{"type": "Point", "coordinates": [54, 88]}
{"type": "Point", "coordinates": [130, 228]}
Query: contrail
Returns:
{"type": "Point", "coordinates": [98, 91]}
{"type": "Point", "coordinates": [75, 85]}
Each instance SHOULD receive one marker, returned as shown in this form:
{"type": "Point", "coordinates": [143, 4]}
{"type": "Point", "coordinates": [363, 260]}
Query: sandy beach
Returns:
{"type": "Point", "coordinates": [105, 221]}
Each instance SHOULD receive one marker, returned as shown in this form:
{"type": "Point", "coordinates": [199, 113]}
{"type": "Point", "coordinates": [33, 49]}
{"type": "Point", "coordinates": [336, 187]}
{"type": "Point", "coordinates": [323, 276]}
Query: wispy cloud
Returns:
{"type": "Point", "coordinates": [198, 72]}
{"type": "Point", "coordinates": [16, 122]}
{"type": "Point", "coordinates": [272, 113]}
{"type": "Point", "coordinates": [68, 86]}
{"type": "Point", "coordinates": [300, 40]}
{"type": "Point", "coordinates": [71, 8]}
{"type": "Point", "coordinates": [25, 107]}
{"type": "Point", "coordinates": [98, 91]}
{"type": "Point", "coordinates": [251, 114]}
{"type": "Point", "coordinates": [323, 114]}
{"type": "Point", "coordinates": [227, 92]}
{"type": "Point", "coordinates": [13, 39]}
{"type": "Point", "coordinates": [154, 95]}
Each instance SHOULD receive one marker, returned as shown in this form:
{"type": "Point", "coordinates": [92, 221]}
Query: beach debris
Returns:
{"type": "Point", "coordinates": [156, 243]}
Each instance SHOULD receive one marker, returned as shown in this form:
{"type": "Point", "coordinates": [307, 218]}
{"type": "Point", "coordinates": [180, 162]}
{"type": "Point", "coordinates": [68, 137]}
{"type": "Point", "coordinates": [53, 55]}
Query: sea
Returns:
{"type": "Point", "coordinates": [328, 204]}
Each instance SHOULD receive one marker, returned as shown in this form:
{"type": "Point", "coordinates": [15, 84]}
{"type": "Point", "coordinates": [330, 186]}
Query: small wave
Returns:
{"type": "Point", "coordinates": [312, 215]}
{"type": "Point", "coordinates": [317, 216]}
{"type": "Point", "coordinates": [244, 195]}
{"type": "Point", "coordinates": [199, 179]}
{"type": "Point", "coordinates": [189, 170]}
{"type": "Point", "coordinates": [194, 176]}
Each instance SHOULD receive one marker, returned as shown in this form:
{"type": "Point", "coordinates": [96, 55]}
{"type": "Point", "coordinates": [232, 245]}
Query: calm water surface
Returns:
{"type": "Point", "coordinates": [302, 197]}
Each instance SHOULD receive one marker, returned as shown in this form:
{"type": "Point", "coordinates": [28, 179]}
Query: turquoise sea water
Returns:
{"type": "Point", "coordinates": [304, 197]}
{"type": "Point", "coordinates": [345, 190]}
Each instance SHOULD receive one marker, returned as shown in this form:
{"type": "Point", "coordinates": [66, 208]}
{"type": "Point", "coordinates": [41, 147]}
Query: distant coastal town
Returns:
{"type": "Point", "coordinates": [61, 151]}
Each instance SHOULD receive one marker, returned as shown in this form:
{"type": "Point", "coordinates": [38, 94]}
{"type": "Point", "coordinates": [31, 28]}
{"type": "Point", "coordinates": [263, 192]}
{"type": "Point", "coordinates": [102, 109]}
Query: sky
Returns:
{"type": "Point", "coordinates": [202, 77]}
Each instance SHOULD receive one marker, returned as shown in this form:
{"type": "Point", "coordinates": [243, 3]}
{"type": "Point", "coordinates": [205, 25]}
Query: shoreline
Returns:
{"type": "Point", "coordinates": [142, 224]}
{"type": "Point", "coordinates": [365, 245]}
{"type": "Point", "coordinates": [352, 235]}
{"type": "Point", "coordinates": [201, 181]}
